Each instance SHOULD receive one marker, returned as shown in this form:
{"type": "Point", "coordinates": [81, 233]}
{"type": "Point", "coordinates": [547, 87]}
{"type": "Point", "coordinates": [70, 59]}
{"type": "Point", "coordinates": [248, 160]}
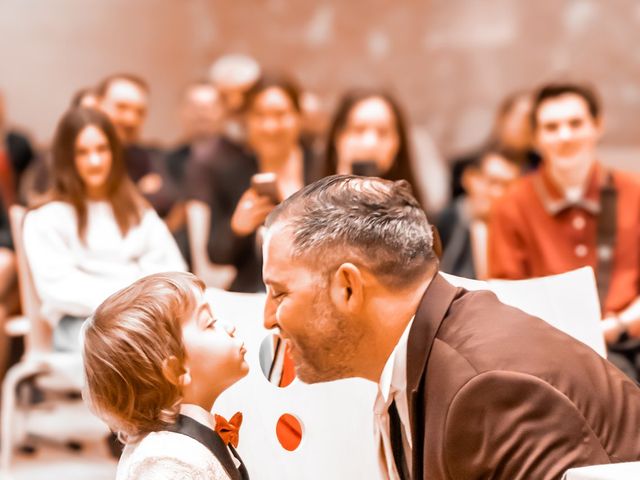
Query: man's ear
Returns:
{"type": "Point", "coordinates": [347, 288]}
{"type": "Point", "coordinates": [175, 372]}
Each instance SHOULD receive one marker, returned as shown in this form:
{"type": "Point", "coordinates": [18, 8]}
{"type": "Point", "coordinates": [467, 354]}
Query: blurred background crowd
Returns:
{"type": "Point", "coordinates": [192, 99]}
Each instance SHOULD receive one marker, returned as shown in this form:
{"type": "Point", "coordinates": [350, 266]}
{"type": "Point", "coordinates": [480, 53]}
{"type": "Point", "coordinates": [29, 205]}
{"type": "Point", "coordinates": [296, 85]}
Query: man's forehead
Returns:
{"type": "Point", "coordinates": [569, 104]}
{"type": "Point", "coordinates": [278, 253]}
{"type": "Point", "coordinates": [278, 241]}
{"type": "Point", "coordinates": [126, 89]}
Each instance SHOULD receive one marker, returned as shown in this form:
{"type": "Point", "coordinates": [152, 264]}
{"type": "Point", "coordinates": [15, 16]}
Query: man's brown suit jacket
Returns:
{"type": "Point", "coordinates": [496, 393]}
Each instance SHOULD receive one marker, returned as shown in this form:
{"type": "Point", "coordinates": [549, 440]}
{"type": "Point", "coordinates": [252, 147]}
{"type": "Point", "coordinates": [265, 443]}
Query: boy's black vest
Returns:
{"type": "Point", "coordinates": [210, 439]}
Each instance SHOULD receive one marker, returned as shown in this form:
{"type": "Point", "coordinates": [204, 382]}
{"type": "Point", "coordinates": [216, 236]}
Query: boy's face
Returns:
{"type": "Point", "coordinates": [215, 358]}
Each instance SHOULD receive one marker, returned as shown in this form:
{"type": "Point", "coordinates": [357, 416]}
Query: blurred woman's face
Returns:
{"type": "Point", "coordinates": [370, 134]}
{"type": "Point", "coordinates": [93, 160]}
{"type": "Point", "coordinates": [273, 123]}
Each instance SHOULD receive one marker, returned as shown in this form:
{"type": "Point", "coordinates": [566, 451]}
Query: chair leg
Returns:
{"type": "Point", "coordinates": [14, 376]}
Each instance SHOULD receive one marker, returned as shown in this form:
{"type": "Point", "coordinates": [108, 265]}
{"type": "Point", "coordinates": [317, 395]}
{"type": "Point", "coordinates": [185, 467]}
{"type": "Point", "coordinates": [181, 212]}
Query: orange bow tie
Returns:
{"type": "Point", "coordinates": [229, 431]}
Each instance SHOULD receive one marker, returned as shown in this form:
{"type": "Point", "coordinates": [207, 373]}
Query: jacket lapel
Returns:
{"type": "Point", "coordinates": [210, 439]}
{"type": "Point", "coordinates": [431, 312]}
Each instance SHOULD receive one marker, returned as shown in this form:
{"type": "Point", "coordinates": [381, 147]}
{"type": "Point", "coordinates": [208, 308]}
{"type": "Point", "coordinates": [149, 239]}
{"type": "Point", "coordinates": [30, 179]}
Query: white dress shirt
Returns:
{"type": "Point", "coordinates": [393, 386]}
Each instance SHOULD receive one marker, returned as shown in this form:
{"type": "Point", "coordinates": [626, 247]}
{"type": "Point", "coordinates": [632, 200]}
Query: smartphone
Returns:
{"type": "Point", "coordinates": [266, 185]}
{"type": "Point", "coordinates": [365, 168]}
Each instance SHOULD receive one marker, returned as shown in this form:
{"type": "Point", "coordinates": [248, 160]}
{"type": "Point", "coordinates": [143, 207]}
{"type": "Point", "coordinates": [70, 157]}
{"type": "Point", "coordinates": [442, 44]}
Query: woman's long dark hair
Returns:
{"type": "Point", "coordinates": [402, 168]}
{"type": "Point", "coordinates": [67, 186]}
{"type": "Point", "coordinates": [274, 80]}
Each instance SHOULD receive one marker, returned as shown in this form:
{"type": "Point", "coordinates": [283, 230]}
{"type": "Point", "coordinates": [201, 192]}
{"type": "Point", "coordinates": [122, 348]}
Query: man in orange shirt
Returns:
{"type": "Point", "coordinates": [572, 212]}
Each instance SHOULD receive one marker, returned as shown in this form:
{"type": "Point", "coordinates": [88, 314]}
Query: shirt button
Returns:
{"type": "Point", "coordinates": [579, 223]}
{"type": "Point", "coordinates": [581, 251]}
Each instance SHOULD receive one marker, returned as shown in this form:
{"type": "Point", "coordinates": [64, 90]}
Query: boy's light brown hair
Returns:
{"type": "Point", "coordinates": [126, 345]}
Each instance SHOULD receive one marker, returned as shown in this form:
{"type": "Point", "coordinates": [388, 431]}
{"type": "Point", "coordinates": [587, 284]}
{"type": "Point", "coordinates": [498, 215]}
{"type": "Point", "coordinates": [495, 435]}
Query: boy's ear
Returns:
{"type": "Point", "coordinates": [175, 372]}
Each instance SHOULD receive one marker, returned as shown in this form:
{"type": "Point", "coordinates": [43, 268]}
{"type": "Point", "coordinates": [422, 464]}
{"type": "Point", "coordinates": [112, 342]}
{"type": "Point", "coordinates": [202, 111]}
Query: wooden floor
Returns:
{"type": "Point", "coordinates": [54, 461]}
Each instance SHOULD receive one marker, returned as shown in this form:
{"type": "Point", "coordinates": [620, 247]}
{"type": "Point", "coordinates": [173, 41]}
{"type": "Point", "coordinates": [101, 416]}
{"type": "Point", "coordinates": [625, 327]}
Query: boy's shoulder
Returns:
{"type": "Point", "coordinates": [166, 455]}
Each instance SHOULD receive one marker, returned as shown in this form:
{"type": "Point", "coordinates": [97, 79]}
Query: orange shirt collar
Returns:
{"type": "Point", "coordinates": [553, 198]}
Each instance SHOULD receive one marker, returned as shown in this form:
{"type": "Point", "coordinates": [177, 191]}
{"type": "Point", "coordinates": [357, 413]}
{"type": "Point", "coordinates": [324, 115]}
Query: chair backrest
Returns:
{"type": "Point", "coordinates": [611, 471]}
{"type": "Point", "coordinates": [198, 227]}
{"type": "Point", "coordinates": [568, 301]}
{"type": "Point", "coordinates": [39, 336]}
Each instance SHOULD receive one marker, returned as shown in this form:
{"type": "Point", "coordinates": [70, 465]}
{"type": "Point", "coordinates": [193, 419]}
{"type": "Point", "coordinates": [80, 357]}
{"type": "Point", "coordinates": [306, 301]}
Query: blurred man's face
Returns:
{"type": "Point", "coordinates": [126, 105]}
{"type": "Point", "coordinates": [202, 111]}
{"type": "Point", "coordinates": [322, 340]}
{"type": "Point", "coordinates": [488, 183]}
{"type": "Point", "coordinates": [566, 133]}
{"type": "Point", "coordinates": [233, 97]}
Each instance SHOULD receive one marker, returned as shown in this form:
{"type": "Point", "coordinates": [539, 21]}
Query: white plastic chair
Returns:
{"type": "Point", "coordinates": [198, 227]}
{"type": "Point", "coordinates": [568, 301]}
{"type": "Point", "coordinates": [614, 471]}
{"type": "Point", "coordinates": [53, 370]}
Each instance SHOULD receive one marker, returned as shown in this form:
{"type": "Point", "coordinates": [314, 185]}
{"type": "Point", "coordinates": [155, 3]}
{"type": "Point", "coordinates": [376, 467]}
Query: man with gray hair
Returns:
{"type": "Point", "coordinates": [467, 387]}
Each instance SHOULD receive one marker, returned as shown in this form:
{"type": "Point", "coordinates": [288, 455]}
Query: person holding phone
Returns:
{"type": "Point", "coordinates": [368, 137]}
{"type": "Point", "coordinates": [243, 188]}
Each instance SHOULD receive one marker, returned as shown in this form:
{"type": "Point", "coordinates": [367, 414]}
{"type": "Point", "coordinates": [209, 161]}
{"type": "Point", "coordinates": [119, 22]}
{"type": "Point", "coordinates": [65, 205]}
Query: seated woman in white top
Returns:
{"type": "Point", "coordinates": [156, 359]}
{"type": "Point", "coordinates": [95, 234]}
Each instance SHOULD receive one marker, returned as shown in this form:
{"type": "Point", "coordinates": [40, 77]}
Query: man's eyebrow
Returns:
{"type": "Point", "coordinates": [273, 282]}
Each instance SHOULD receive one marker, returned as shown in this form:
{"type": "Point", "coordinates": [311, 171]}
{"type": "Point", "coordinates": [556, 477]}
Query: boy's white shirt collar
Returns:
{"type": "Point", "coordinates": [198, 414]}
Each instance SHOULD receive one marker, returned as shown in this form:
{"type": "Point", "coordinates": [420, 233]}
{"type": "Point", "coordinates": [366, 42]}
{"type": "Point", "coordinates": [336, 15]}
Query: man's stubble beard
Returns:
{"type": "Point", "coordinates": [328, 350]}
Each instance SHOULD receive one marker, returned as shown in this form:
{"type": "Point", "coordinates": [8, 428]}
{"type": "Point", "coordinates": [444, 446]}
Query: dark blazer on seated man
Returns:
{"type": "Point", "coordinates": [496, 393]}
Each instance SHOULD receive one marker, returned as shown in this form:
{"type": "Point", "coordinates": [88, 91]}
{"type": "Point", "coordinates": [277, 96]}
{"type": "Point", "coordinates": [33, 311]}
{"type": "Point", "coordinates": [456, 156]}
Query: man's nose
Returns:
{"type": "Point", "coordinates": [565, 132]}
{"type": "Point", "coordinates": [269, 314]}
{"type": "Point", "coordinates": [231, 329]}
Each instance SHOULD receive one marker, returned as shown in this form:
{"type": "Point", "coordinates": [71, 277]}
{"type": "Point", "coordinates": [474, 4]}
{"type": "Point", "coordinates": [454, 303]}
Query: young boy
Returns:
{"type": "Point", "coordinates": [155, 360]}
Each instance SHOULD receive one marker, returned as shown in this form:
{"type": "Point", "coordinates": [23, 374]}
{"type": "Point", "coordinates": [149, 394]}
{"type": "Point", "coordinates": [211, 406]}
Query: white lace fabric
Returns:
{"type": "Point", "coordinates": [169, 456]}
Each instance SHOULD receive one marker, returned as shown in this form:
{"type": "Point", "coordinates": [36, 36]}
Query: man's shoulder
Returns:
{"type": "Point", "coordinates": [492, 335]}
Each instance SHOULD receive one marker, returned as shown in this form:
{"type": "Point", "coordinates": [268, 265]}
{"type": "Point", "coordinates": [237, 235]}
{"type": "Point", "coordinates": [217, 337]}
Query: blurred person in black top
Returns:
{"type": "Point", "coordinates": [16, 155]}
{"type": "Point", "coordinates": [233, 75]}
{"type": "Point", "coordinates": [223, 178]}
{"type": "Point", "coordinates": [202, 114]}
{"type": "Point", "coordinates": [125, 99]}
{"type": "Point", "coordinates": [463, 225]}
{"type": "Point", "coordinates": [511, 133]}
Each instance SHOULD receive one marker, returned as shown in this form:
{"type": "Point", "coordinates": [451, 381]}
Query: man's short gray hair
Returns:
{"type": "Point", "coordinates": [375, 222]}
